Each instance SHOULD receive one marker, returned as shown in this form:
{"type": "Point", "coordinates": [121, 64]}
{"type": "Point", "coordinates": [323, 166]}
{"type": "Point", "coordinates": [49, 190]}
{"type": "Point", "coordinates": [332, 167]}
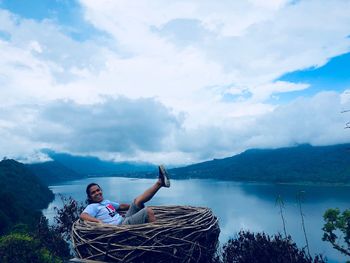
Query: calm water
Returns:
{"type": "Point", "coordinates": [237, 205]}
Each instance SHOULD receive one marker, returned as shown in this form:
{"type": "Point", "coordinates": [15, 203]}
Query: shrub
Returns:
{"type": "Point", "coordinates": [67, 215]}
{"type": "Point", "coordinates": [17, 247]}
{"type": "Point", "coordinates": [260, 247]}
{"type": "Point", "coordinates": [337, 229]}
{"type": "Point", "coordinates": [50, 238]}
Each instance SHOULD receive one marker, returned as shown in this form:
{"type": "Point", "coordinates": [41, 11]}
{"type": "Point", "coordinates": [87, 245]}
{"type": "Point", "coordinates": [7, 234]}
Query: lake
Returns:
{"type": "Point", "coordinates": [248, 206]}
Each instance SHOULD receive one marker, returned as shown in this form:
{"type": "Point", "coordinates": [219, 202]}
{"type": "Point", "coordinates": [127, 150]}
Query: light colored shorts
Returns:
{"type": "Point", "coordinates": [135, 215]}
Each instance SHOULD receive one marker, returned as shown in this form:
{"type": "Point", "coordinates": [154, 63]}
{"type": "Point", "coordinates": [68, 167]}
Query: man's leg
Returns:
{"type": "Point", "coordinates": [148, 194]}
{"type": "Point", "coordinates": [163, 180]}
{"type": "Point", "coordinates": [138, 213]}
{"type": "Point", "coordinates": [140, 201]}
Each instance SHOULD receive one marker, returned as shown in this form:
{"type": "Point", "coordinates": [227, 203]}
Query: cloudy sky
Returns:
{"type": "Point", "coordinates": [172, 82]}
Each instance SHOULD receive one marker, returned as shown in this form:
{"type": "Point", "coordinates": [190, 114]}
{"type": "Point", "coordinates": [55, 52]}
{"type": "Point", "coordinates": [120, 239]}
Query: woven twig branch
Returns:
{"type": "Point", "coordinates": [180, 234]}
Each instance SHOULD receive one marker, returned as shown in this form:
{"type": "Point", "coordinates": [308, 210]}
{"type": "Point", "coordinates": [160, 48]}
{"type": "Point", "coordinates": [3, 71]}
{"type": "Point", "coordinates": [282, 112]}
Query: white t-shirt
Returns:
{"type": "Point", "coordinates": [106, 211]}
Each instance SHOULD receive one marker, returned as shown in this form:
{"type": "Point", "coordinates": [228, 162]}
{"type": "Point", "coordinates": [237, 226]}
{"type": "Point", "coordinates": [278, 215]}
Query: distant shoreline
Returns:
{"type": "Point", "coordinates": [151, 176]}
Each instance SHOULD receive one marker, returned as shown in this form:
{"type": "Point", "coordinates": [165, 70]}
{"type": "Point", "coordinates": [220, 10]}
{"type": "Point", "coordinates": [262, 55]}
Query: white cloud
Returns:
{"type": "Point", "coordinates": [317, 120]}
{"type": "Point", "coordinates": [216, 84]}
{"type": "Point", "coordinates": [273, 37]}
{"type": "Point", "coordinates": [118, 125]}
{"type": "Point", "coordinates": [39, 62]}
{"type": "Point", "coordinates": [123, 129]}
{"type": "Point", "coordinates": [263, 92]}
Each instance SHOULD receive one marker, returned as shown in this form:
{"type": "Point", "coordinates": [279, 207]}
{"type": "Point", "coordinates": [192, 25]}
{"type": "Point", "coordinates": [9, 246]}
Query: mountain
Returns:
{"type": "Point", "coordinates": [53, 172]}
{"type": "Point", "coordinates": [66, 167]}
{"type": "Point", "coordinates": [89, 165]}
{"type": "Point", "coordinates": [22, 194]}
{"type": "Point", "coordinates": [301, 164]}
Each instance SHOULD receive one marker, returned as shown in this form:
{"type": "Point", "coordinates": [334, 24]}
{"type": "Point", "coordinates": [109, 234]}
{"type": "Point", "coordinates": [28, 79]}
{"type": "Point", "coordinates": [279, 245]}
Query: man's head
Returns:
{"type": "Point", "coordinates": [94, 193]}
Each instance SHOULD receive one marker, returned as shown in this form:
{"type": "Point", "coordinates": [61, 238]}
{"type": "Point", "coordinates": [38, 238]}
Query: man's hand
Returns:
{"type": "Point", "coordinates": [87, 217]}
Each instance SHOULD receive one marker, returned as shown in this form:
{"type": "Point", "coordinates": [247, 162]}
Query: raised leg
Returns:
{"type": "Point", "coordinates": [148, 194]}
{"type": "Point", "coordinates": [163, 181]}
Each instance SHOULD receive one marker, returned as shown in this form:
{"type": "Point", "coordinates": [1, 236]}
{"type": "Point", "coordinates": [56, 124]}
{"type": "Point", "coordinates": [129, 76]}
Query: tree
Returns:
{"type": "Point", "coordinates": [260, 247]}
{"type": "Point", "coordinates": [67, 215]}
{"type": "Point", "coordinates": [337, 229]}
{"type": "Point", "coordinates": [51, 239]}
{"type": "Point", "coordinates": [19, 247]}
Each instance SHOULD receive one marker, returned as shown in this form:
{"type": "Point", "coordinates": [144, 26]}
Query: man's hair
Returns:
{"type": "Point", "coordinates": [88, 192]}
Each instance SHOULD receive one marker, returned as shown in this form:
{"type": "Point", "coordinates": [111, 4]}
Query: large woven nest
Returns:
{"type": "Point", "coordinates": [180, 234]}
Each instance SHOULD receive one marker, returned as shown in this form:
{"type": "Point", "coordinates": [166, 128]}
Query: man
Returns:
{"type": "Point", "coordinates": [104, 211]}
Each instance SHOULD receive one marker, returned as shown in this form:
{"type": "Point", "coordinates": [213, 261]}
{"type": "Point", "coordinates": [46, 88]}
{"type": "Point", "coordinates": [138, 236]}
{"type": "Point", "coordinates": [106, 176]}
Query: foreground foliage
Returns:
{"type": "Point", "coordinates": [337, 229]}
{"type": "Point", "coordinates": [250, 247]}
{"type": "Point", "coordinates": [67, 215]}
{"type": "Point", "coordinates": [20, 247]}
{"type": "Point", "coordinates": [25, 233]}
{"type": "Point", "coordinates": [43, 243]}
{"type": "Point", "coordinates": [22, 196]}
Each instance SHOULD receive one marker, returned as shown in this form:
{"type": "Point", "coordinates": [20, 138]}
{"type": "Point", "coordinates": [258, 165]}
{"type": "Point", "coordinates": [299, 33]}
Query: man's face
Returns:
{"type": "Point", "coordinates": [96, 194]}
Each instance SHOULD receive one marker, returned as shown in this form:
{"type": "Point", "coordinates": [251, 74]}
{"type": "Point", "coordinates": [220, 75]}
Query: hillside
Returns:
{"type": "Point", "coordinates": [53, 172]}
{"type": "Point", "coordinates": [66, 167]}
{"type": "Point", "coordinates": [89, 165]}
{"type": "Point", "coordinates": [23, 194]}
{"type": "Point", "coordinates": [304, 163]}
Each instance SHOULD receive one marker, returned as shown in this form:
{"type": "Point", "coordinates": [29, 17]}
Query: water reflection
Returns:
{"type": "Point", "coordinates": [237, 205]}
{"type": "Point", "coordinates": [312, 194]}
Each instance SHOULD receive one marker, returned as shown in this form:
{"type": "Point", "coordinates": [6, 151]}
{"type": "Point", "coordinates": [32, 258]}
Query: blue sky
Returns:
{"type": "Point", "coordinates": [335, 75]}
{"type": "Point", "coordinates": [68, 14]}
{"type": "Point", "coordinates": [171, 82]}
{"type": "Point", "coordinates": [62, 11]}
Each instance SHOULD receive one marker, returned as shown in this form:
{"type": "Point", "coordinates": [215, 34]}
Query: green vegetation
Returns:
{"type": "Point", "coordinates": [25, 234]}
{"type": "Point", "coordinates": [301, 164]}
{"type": "Point", "coordinates": [23, 195]}
{"type": "Point", "coordinates": [53, 172]}
{"type": "Point", "coordinates": [249, 247]}
{"type": "Point", "coordinates": [19, 247]}
{"type": "Point", "coordinates": [67, 215]}
{"type": "Point", "coordinates": [337, 229]}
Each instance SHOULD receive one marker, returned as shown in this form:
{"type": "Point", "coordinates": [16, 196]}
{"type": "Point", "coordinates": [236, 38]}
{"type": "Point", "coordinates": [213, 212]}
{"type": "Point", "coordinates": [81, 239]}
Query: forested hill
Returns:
{"type": "Point", "coordinates": [93, 166]}
{"type": "Point", "coordinates": [53, 172]}
{"type": "Point", "coordinates": [304, 163]}
{"type": "Point", "coordinates": [67, 167]}
{"type": "Point", "coordinates": [22, 194]}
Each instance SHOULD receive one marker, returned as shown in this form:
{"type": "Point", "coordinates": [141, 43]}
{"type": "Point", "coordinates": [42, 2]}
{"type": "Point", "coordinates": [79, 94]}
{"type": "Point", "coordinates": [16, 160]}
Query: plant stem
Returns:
{"type": "Point", "coordinates": [299, 199]}
{"type": "Point", "coordinates": [280, 203]}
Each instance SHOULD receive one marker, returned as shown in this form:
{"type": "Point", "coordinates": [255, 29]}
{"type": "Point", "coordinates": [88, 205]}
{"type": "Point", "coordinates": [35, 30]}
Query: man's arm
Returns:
{"type": "Point", "coordinates": [87, 217]}
{"type": "Point", "coordinates": [123, 207]}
